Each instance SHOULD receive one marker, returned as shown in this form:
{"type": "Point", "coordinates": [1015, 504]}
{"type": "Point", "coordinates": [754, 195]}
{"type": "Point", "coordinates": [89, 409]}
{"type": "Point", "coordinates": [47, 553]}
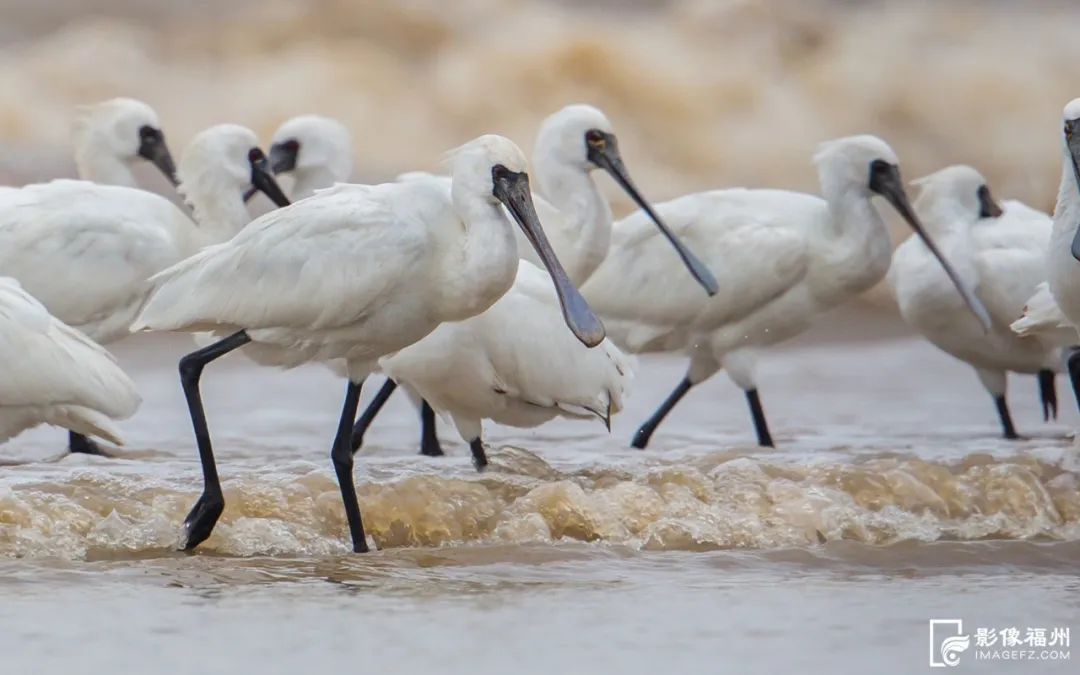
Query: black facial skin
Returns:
{"type": "Point", "coordinates": [602, 149]}
{"type": "Point", "coordinates": [988, 208]}
{"type": "Point", "coordinates": [283, 155]}
{"type": "Point", "coordinates": [262, 179]}
{"type": "Point", "coordinates": [152, 147]}
{"type": "Point", "coordinates": [512, 189]}
{"type": "Point", "coordinates": [1072, 139]}
{"type": "Point", "coordinates": [885, 181]}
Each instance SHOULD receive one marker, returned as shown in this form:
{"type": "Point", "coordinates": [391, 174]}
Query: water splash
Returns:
{"type": "Point", "coordinates": [719, 500]}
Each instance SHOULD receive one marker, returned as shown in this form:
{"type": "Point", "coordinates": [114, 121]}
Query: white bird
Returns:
{"type": "Point", "coordinates": [1063, 259]}
{"type": "Point", "coordinates": [110, 137]}
{"type": "Point", "coordinates": [51, 373]}
{"type": "Point", "coordinates": [571, 144]}
{"type": "Point", "coordinates": [515, 364]}
{"type": "Point", "coordinates": [781, 258]}
{"type": "Point", "coordinates": [1000, 251]}
{"type": "Point", "coordinates": [355, 272]}
{"type": "Point", "coordinates": [87, 251]}
{"type": "Point", "coordinates": [315, 151]}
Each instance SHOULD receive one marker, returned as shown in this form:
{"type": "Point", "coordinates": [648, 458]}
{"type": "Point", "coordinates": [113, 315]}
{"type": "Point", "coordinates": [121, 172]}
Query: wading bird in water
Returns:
{"type": "Point", "coordinates": [355, 272]}
{"type": "Point", "coordinates": [998, 250]}
{"type": "Point", "coordinates": [87, 251]}
{"type": "Point", "coordinates": [571, 144]}
{"type": "Point", "coordinates": [781, 258]}
{"type": "Point", "coordinates": [51, 373]}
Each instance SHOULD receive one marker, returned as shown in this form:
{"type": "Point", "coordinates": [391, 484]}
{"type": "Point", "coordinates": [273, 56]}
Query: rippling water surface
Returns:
{"type": "Point", "coordinates": [889, 502]}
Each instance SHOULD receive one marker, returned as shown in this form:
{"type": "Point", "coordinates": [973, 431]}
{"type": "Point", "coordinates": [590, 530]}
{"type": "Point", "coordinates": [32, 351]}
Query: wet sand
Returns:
{"type": "Point", "coordinates": [890, 501]}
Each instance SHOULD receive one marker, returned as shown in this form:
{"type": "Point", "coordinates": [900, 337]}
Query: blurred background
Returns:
{"type": "Point", "coordinates": [703, 93]}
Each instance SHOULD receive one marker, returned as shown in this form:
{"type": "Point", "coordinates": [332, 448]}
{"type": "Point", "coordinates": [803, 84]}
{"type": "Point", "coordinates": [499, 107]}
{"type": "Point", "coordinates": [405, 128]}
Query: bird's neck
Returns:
{"type": "Point", "coordinates": [856, 248]}
{"type": "Point", "coordinates": [307, 181]}
{"type": "Point", "coordinates": [100, 166]}
{"type": "Point", "coordinates": [1063, 270]}
{"type": "Point", "coordinates": [480, 262]}
{"type": "Point", "coordinates": [1067, 209]}
{"type": "Point", "coordinates": [218, 210]}
{"type": "Point", "coordinates": [582, 237]}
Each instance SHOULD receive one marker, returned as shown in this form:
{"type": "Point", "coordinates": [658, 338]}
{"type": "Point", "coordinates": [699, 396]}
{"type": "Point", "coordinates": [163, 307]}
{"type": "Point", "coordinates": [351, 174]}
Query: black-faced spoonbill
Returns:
{"type": "Point", "coordinates": [312, 152]}
{"type": "Point", "coordinates": [1063, 260]}
{"type": "Point", "coordinates": [998, 250]}
{"type": "Point", "coordinates": [111, 136]}
{"type": "Point", "coordinates": [51, 373]}
{"type": "Point", "coordinates": [355, 272]}
{"type": "Point", "coordinates": [782, 258]}
{"type": "Point", "coordinates": [86, 251]}
{"type": "Point", "coordinates": [571, 144]}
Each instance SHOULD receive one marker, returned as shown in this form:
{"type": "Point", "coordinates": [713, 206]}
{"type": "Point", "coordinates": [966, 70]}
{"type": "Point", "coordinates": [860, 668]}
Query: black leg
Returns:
{"type": "Point", "coordinates": [641, 438]}
{"type": "Point", "coordinates": [429, 433]}
{"type": "Point", "coordinates": [764, 438]}
{"type": "Point", "coordinates": [82, 444]}
{"type": "Point", "coordinates": [1007, 429]}
{"type": "Point", "coordinates": [1073, 362]}
{"type": "Point", "coordinates": [342, 456]}
{"type": "Point", "coordinates": [1048, 394]}
{"type": "Point", "coordinates": [371, 412]}
{"type": "Point", "coordinates": [479, 457]}
{"type": "Point", "coordinates": [204, 515]}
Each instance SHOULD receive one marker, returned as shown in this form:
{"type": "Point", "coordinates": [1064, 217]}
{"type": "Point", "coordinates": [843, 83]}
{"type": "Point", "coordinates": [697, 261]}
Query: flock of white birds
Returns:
{"type": "Point", "coordinates": [426, 279]}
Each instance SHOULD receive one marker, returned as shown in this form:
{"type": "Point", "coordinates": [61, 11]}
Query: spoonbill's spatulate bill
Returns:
{"type": "Point", "coordinates": [355, 272]}
{"type": "Point", "coordinates": [86, 251]}
{"type": "Point", "coordinates": [571, 144]}
{"type": "Point", "coordinates": [1063, 261]}
{"type": "Point", "coordinates": [111, 136]}
{"type": "Point", "coordinates": [781, 258]}
{"type": "Point", "coordinates": [999, 250]}
{"type": "Point", "coordinates": [51, 373]}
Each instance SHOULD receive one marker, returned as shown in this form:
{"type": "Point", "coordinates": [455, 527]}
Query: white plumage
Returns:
{"type": "Point", "coordinates": [1043, 318]}
{"type": "Point", "coordinates": [110, 137]}
{"type": "Point", "coordinates": [355, 272]}
{"type": "Point", "coordinates": [51, 373]}
{"type": "Point", "coordinates": [1000, 252]}
{"type": "Point", "coordinates": [313, 151]}
{"type": "Point", "coordinates": [86, 251]}
{"type": "Point", "coordinates": [1063, 260]}
{"type": "Point", "coordinates": [781, 259]}
{"type": "Point", "coordinates": [515, 364]}
{"type": "Point", "coordinates": [490, 362]}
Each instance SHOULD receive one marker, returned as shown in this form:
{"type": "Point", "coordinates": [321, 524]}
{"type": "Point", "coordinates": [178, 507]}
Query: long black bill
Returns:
{"type": "Point", "coordinates": [152, 146]}
{"type": "Point", "coordinates": [282, 159]}
{"type": "Point", "coordinates": [885, 180]}
{"type": "Point", "coordinates": [1072, 139]}
{"type": "Point", "coordinates": [262, 179]}
{"type": "Point", "coordinates": [603, 151]}
{"type": "Point", "coordinates": [512, 189]}
{"type": "Point", "coordinates": [988, 208]}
